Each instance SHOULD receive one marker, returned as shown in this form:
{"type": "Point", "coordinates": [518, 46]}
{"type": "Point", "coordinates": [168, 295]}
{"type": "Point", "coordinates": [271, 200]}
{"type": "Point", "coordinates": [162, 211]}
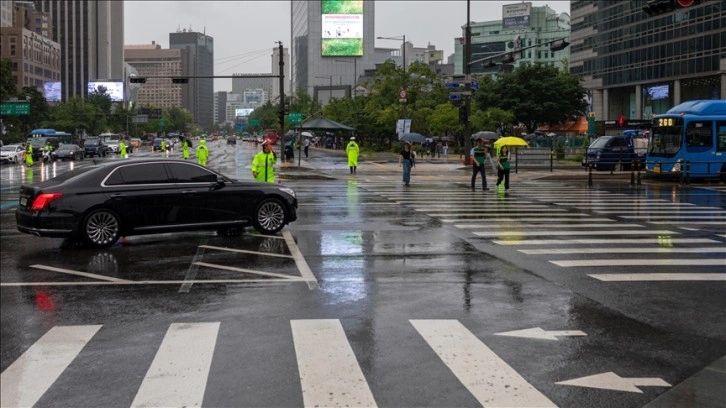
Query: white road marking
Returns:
{"type": "Point", "coordinates": [651, 277]}
{"type": "Point", "coordinates": [178, 375]}
{"type": "Point", "coordinates": [84, 274]}
{"type": "Point", "coordinates": [555, 233]}
{"type": "Point", "coordinates": [638, 241]}
{"type": "Point", "coordinates": [640, 262]}
{"type": "Point", "coordinates": [302, 265]}
{"type": "Point", "coordinates": [568, 225]}
{"type": "Point", "coordinates": [541, 334]}
{"type": "Point", "coordinates": [329, 372]}
{"type": "Point", "coordinates": [675, 217]}
{"type": "Point", "coordinates": [620, 250]}
{"type": "Point", "coordinates": [612, 381]}
{"type": "Point", "coordinates": [243, 270]}
{"type": "Point", "coordinates": [153, 282]}
{"type": "Point", "coordinates": [245, 251]}
{"type": "Point", "coordinates": [532, 220]}
{"type": "Point", "coordinates": [489, 378]}
{"type": "Point", "coordinates": [29, 377]}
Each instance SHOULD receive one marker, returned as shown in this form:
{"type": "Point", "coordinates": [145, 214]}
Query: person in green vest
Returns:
{"type": "Point", "coordinates": [263, 164]}
{"type": "Point", "coordinates": [29, 156]}
{"type": "Point", "coordinates": [479, 155]}
{"type": "Point", "coordinates": [185, 149]}
{"type": "Point", "coordinates": [352, 150]}
{"type": "Point", "coordinates": [162, 147]}
{"type": "Point", "coordinates": [202, 152]}
{"type": "Point", "coordinates": [503, 167]}
{"type": "Point", "coordinates": [122, 149]}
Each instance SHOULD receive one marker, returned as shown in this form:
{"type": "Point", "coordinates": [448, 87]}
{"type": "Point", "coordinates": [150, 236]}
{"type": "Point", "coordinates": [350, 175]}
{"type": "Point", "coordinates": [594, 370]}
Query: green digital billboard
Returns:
{"type": "Point", "coordinates": [342, 28]}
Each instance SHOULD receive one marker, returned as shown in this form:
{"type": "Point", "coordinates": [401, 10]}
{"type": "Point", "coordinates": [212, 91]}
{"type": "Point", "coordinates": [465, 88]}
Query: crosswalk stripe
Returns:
{"type": "Point", "coordinates": [620, 250]}
{"type": "Point", "coordinates": [178, 375]}
{"type": "Point", "coordinates": [650, 277]}
{"type": "Point", "coordinates": [554, 233]}
{"type": "Point", "coordinates": [29, 377]}
{"type": "Point", "coordinates": [641, 262]}
{"type": "Point", "coordinates": [329, 372]}
{"type": "Point", "coordinates": [533, 220]}
{"type": "Point", "coordinates": [638, 241]}
{"type": "Point", "coordinates": [489, 378]}
{"type": "Point", "coordinates": [568, 225]}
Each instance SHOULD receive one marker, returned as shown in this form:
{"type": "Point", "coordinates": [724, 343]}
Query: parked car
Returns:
{"type": "Point", "coordinates": [94, 146]}
{"type": "Point", "coordinates": [68, 152]}
{"type": "Point", "coordinates": [609, 152]}
{"type": "Point", "coordinates": [12, 153]}
{"type": "Point", "coordinates": [232, 140]}
{"type": "Point", "coordinates": [97, 204]}
{"type": "Point", "coordinates": [112, 145]}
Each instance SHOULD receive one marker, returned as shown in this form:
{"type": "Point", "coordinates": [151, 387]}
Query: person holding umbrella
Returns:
{"type": "Point", "coordinates": [503, 167]}
{"type": "Point", "coordinates": [407, 160]}
{"type": "Point", "coordinates": [479, 155]}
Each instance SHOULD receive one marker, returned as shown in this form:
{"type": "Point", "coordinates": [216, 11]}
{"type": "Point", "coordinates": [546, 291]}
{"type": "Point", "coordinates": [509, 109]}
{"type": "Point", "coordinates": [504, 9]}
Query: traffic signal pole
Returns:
{"type": "Point", "coordinates": [282, 102]}
{"type": "Point", "coordinates": [467, 84]}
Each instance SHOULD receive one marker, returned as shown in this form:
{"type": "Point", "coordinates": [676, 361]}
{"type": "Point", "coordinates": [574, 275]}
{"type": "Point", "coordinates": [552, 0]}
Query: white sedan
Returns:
{"type": "Point", "coordinates": [11, 153]}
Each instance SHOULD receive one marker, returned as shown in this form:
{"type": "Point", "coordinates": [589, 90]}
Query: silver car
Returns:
{"type": "Point", "coordinates": [12, 153]}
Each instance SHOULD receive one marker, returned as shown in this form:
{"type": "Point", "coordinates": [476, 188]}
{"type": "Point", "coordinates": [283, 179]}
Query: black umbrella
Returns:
{"type": "Point", "coordinates": [183, 138]}
{"type": "Point", "coordinates": [412, 138]}
{"type": "Point", "coordinates": [485, 135]}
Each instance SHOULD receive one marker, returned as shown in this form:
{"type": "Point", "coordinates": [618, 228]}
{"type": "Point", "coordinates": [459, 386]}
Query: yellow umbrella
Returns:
{"type": "Point", "coordinates": [510, 141]}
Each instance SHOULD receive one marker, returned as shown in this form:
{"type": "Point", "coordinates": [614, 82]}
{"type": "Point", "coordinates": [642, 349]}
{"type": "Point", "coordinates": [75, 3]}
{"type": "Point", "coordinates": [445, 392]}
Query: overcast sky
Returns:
{"type": "Point", "coordinates": [245, 32]}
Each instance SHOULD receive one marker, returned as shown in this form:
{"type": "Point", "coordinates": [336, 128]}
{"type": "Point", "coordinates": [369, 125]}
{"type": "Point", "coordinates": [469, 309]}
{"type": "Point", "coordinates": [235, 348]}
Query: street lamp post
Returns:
{"type": "Point", "coordinates": [330, 88]}
{"type": "Point", "coordinates": [403, 65]}
{"type": "Point", "coordinates": [355, 73]}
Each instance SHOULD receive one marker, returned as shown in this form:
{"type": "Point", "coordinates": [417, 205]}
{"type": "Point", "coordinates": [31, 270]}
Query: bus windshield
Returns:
{"type": "Point", "coordinates": [666, 137]}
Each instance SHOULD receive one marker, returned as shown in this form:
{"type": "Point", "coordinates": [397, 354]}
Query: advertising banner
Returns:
{"type": "Point", "coordinates": [342, 28]}
{"type": "Point", "coordinates": [114, 89]}
{"type": "Point", "coordinates": [516, 16]}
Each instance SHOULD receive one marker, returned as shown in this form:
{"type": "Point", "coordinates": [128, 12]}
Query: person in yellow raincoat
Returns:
{"type": "Point", "coordinates": [162, 147]}
{"type": "Point", "coordinates": [185, 149]}
{"type": "Point", "coordinates": [263, 164]}
{"type": "Point", "coordinates": [122, 149]}
{"type": "Point", "coordinates": [352, 150]}
{"type": "Point", "coordinates": [202, 152]}
{"type": "Point", "coordinates": [29, 156]}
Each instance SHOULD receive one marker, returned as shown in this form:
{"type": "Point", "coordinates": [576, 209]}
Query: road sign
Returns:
{"type": "Point", "coordinates": [139, 118]}
{"type": "Point", "coordinates": [14, 108]}
{"type": "Point", "coordinates": [452, 85]}
{"type": "Point", "coordinates": [475, 85]}
{"type": "Point", "coordinates": [456, 96]}
{"type": "Point", "coordinates": [295, 118]}
{"type": "Point", "coordinates": [162, 122]}
{"type": "Point", "coordinates": [240, 126]}
{"type": "Point", "coordinates": [254, 122]}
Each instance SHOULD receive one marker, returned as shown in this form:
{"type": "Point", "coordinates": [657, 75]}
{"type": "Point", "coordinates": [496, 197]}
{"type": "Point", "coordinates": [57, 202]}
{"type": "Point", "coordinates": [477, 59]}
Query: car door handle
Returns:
{"type": "Point", "coordinates": [118, 196]}
{"type": "Point", "coordinates": [189, 192]}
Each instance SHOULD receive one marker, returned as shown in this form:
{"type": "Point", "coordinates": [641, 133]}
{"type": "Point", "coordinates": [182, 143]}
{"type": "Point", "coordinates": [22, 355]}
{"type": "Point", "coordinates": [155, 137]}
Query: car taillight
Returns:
{"type": "Point", "coordinates": [42, 201]}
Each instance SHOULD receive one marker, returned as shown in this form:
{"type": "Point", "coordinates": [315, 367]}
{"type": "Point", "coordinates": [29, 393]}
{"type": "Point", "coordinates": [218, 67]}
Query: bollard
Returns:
{"type": "Point", "coordinates": [632, 174]}
{"type": "Point", "coordinates": [589, 174]}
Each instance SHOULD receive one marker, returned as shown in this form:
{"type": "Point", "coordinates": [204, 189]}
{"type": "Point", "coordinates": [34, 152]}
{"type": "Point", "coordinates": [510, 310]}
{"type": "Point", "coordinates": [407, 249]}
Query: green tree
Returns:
{"type": "Point", "coordinates": [77, 116]}
{"type": "Point", "coordinates": [535, 94]}
{"type": "Point", "coordinates": [39, 109]}
{"type": "Point", "coordinates": [7, 82]}
{"type": "Point", "coordinates": [177, 120]}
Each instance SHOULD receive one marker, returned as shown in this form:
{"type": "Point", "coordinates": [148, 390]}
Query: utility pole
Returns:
{"type": "Point", "coordinates": [282, 100]}
{"type": "Point", "coordinates": [467, 83]}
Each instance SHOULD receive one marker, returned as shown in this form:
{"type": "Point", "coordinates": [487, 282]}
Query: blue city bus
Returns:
{"type": "Point", "coordinates": [63, 137]}
{"type": "Point", "coordinates": [689, 140]}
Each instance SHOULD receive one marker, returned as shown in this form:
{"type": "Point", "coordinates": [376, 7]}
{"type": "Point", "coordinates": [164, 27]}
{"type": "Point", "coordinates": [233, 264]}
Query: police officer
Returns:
{"type": "Point", "coordinates": [263, 164]}
{"type": "Point", "coordinates": [122, 149]}
{"type": "Point", "coordinates": [29, 156]}
{"type": "Point", "coordinates": [352, 150]}
{"type": "Point", "coordinates": [202, 152]}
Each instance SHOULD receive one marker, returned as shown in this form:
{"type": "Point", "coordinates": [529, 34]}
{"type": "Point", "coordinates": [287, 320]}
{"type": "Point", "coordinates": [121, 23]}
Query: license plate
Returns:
{"type": "Point", "coordinates": [656, 169]}
{"type": "Point", "coordinates": [23, 201]}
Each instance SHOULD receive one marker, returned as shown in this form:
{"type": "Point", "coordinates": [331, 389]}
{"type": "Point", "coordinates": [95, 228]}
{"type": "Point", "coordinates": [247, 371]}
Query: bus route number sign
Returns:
{"type": "Point", "coordinates": [666, 122]}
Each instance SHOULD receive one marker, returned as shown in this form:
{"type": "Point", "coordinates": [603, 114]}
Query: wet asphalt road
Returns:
{"type": "Point", "coordinates": [380, 295]}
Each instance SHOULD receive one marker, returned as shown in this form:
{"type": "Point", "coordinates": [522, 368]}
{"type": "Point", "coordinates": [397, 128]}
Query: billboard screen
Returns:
{"type": "Point", "coordinates": [342, 30]}
{"type": "Point", "coordinates": [114, 89]}
{"type": "Point", "coordinates": [52, 91]}
{"type": "Point", "coordinates": [242, 112]}
{"type": "Point", "coordinates": [516, 15]}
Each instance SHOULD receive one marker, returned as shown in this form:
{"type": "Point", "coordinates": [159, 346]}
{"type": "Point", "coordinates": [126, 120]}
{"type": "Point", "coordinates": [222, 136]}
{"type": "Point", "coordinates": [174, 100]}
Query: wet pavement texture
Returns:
{"type": "Point", "coordinates": [424, 286]}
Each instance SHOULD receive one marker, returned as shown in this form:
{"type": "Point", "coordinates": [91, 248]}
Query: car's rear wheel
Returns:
{"type": "Point", "coordinates": [101, 228]}
{"type": "Point", "coordinates": [269, 216]}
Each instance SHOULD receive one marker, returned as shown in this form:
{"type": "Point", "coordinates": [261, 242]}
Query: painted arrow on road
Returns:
{"type": "Point", "coordinates": [541, 334]}
{"type": "Point", "coordinates": [612, 381]}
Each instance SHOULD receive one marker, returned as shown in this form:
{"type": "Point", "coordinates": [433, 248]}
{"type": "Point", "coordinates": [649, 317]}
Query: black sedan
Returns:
{"type": "Point", "coordinates": [98, 204]}
{"type": "Point", "coordinates": [68, 152]}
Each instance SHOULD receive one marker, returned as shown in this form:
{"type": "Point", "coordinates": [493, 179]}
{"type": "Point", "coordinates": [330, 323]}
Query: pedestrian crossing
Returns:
{"type": "Point", "coordinates": [327, 369]}
{"type": "Point", "coordinates": [580, 228]}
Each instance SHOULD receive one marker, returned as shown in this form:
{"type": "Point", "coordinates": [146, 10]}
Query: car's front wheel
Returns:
{"type": "Point", "coordinates": [101, 228]}
{"type": "Point", "coordinates": [269, 217]}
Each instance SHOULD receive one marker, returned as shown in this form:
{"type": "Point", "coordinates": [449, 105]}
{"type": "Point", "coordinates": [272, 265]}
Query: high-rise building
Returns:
{"type": "Point", "coordinates": [198, 61]}
{"type": "Point", "coordinates": [330, 50]}
{"type": "Point", "coordinates": [91, 37]}
{"type": "Point", "coordinates": [242, 84]}
{"type": "Point", "coordinates": [35, 59]}
{"type": "Point", "coordinates": [635, 64]}
{"type": "Point", "coordinates": [6, 13]}
{"type": "Point", "coordinates": [150, 61]}
{"type": "Point", "coordinates": [522, 26]}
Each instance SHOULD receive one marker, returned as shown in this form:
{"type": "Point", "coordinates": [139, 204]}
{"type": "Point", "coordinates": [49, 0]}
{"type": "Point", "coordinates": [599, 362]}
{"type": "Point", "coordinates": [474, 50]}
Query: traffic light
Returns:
{"type": "Point", "coordinates": [180, 80]}
{"type": "Point", "coordinates": [462, 114]}
{"type": "Point", "coordinates": [656, 7]}
{"type": "Point", "coordinates": [508, 58]}
{"type": "Point", "coordinates": [137, 80]}
{"type": "Point", "coordinates": [559, 45]}
{"type": "Point", "coordinates": [490, 64]}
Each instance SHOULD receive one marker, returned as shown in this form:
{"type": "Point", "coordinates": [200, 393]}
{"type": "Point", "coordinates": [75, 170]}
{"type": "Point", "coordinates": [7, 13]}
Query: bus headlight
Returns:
{"type": "Point", "coordinates": [677, 166]}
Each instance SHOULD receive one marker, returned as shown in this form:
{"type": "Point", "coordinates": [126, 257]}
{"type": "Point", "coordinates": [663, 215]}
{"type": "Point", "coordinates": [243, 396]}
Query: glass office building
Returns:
{"type": "Point", "coordinates": [635, 65]}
